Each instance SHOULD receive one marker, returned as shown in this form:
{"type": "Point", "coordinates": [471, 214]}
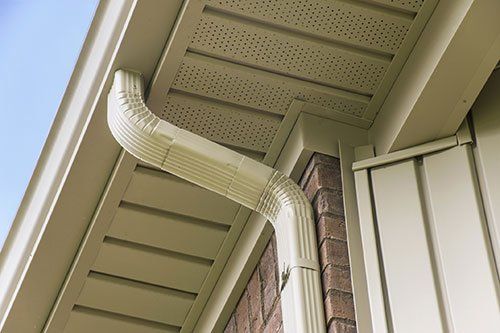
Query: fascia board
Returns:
{"type": "Point", "coordinates": [449, 65]}
{"type": "Point", "coordinates": [76, 161]}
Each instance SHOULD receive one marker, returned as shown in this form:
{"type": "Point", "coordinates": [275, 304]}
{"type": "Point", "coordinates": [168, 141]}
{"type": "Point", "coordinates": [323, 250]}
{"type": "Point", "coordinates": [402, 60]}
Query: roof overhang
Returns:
{"type": "Point", "coordinates": [56, 212]}
{"type": "Point", "coordinates": [56, 209]}
{"type": "Point", "coordinates": [447, 69]}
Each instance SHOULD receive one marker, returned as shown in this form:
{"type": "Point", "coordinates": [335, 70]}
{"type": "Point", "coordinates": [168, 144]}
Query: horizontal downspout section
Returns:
{"type": "Point", "coordinates": [237, 177]}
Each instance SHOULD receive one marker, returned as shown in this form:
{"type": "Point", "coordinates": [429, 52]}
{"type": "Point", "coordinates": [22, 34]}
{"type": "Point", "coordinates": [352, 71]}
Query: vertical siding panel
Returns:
{"type": "Point", "coordinates": [411, 288]}
{"type": "Point", "coordinates": [486, 120]}
{"type": "Point", "coordinates": [468, 270]}
{"type": "Point", "coordinates": [370, 252]}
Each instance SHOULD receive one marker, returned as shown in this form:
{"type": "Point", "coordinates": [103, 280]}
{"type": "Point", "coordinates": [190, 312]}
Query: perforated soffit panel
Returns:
{"type": "Point", "coordinates": [245, 61]}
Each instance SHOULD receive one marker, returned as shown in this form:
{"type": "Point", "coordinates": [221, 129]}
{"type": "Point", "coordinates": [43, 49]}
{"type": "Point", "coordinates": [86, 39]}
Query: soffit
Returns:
{"type": "Point", "coordinates": [231, 72]}
{"type": "Point", "coordinates": [233, 67]}
{"type": "Point", "coordinates": [155, 256]}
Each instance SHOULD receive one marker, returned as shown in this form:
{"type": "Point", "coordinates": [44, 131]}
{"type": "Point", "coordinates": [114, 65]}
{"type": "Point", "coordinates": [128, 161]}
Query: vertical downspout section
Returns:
{"type": "Point", "coordinates": [237, 177]}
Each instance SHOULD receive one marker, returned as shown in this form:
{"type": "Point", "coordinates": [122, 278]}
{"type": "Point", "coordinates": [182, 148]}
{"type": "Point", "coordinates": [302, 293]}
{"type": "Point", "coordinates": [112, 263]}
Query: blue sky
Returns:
{"type": "Point", "coordinates": [39, 44]}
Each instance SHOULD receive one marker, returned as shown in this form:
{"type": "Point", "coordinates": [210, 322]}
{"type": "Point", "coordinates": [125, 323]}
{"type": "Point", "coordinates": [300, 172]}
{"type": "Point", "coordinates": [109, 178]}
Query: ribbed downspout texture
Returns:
{"type": "Point", "coordinates": [285, 205]}
{"type": "Point", "coordinates": [236, 177]}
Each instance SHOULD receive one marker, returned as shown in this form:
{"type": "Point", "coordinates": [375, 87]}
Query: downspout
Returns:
{"type": "Point", "coordinates": [237, 177]}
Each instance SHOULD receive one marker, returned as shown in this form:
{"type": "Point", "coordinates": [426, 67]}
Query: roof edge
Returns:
{"type": "Point", "coordinates": [58, 154]}
{"type": "Point", "coordinates": [60, 201]}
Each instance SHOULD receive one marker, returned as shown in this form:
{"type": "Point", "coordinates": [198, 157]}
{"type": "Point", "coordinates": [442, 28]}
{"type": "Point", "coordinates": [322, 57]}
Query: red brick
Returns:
{"type": "Point", "coordinates": [231, 325]}
{"type": "Point", "coordinates": [323, 176]}
{"type": "Point", "coordinates": [329, 201]}
{"type": "Point", "coordinates": [334, 252]}
{"type": "Point", "coordinates": [274, 323]}
{"type": "Point", "coordinates": [327, 159]}
{"type": "Point", "coordinates": [316, 159]}
{"type": "Point", "coordinates": [255, 300]}
{"type": "Point", "coordinates": [336, 278]}
{"type": "Point", "coordinates": [305, 176]}
{"type": "Point", "coordinates": [339, 304]}
{"type": "Point", "coordinates": [331, 226]}
{"type": "Point", "coordinates": [269, 277]}
{"type": "Point", "coordinates": [340, 327]}
{"type": "Point", "coordinates": [242, 320]}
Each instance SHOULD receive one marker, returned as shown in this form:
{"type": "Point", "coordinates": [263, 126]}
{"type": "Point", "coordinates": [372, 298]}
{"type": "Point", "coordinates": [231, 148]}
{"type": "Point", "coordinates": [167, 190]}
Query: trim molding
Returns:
{"type": "Point", "coordinates": [463, 136]}
{"type": "Point", "coordinates": [56, 209]}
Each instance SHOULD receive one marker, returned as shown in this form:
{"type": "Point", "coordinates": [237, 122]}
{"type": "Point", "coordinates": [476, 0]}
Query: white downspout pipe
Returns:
{"type": "Point", "coordinates": [236, 177]}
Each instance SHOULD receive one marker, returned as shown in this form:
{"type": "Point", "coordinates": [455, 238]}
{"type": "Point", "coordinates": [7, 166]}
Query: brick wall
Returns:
{"type": "Point", "coordinates": [259, 309]}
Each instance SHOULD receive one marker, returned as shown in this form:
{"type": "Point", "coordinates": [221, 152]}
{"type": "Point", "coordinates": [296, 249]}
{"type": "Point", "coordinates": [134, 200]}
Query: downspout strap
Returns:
{"type": "Point", "coordinates": [304, 263]}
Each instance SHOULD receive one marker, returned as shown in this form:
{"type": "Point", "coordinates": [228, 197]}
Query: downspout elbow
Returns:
{"type": "Point", "coordinates": [285, 205]}
{"type": "Point", "coordinates": [132, 124]}
{"type": "Point", "coordinates": [178, 151]}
